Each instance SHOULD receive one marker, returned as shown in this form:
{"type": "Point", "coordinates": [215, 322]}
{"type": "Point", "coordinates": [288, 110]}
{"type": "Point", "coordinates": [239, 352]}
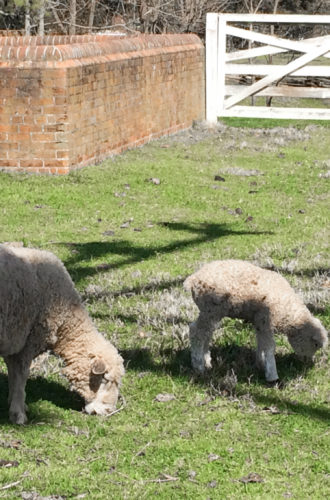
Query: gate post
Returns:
{"type": "Point", "coordinates": [211, 67]}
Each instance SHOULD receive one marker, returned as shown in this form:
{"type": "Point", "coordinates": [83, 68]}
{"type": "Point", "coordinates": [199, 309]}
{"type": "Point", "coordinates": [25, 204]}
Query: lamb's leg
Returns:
{"type": "Point", "coordinates": [266, 352]}
{"type": "Point", "coordinates": [18, 372]}
{"type": "Point", "coordinates": [200, 334]}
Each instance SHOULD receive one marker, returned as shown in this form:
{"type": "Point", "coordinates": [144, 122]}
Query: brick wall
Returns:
{"type": "Point", "coordinates": [66, 102]}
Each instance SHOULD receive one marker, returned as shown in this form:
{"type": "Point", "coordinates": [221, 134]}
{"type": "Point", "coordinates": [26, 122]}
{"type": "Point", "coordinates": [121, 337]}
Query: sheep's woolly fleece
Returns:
{"type": "Point", "coordinates": [238, 289]}
{"type": "Point", "coordinates": [40, 310]}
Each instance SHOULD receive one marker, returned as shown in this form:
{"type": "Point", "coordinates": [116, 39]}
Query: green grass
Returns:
{"type": "Point", "coordinates": [216, 431]}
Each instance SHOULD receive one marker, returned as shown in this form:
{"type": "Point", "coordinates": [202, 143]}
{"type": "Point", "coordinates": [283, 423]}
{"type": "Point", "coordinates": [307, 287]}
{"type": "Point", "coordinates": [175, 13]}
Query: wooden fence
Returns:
{"type": "Point", "coordinates": [223, 68]}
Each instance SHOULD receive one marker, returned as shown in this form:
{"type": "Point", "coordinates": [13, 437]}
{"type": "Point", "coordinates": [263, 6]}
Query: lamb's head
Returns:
{"type": "Point", "coordinates": [104, 382]}
{"type": "Point", "coordinates": [308, 338]}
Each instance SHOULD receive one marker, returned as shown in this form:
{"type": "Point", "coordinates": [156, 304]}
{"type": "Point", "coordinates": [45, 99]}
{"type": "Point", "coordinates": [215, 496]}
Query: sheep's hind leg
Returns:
{"type": "Point", "coordinates": [266, 353]}
{"type": "Point", "coordinates": [200, 334]}
{"type": "Point", "coordinates": [18, 372]}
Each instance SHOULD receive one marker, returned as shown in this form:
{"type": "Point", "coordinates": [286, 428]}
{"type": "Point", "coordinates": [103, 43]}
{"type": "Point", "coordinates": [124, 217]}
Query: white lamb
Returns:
{"type": "Point", "coordinates": [40, 310]}
{"type": "Point", "coordinates": [238, 289]}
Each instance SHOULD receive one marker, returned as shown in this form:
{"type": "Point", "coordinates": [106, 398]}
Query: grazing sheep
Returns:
{"type": "Point", "coordinates": [40, 310]}
{"type": "Point", "coordinates": [239, 289]}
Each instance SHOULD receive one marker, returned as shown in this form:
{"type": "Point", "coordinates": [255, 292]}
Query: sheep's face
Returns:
{"type": "Point", "coordinates": [104, 385]}
{"type": "Point", "coordinates": [308, 339]}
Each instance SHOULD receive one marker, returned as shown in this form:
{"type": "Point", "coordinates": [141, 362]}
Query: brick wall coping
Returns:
{"type": "Point", "coordinates": [17, 40]}
{"type": "Point", "coordinates": [63, 48]}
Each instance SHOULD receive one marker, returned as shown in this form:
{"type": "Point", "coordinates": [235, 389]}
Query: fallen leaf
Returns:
{"type": "Point", "coordinates": [212, 484]}
{"type": "Point", "coordinates": [205, 401]}
{"type": "Point", "coordinates": [253, 477]}
{"type": "Point", "coordinates": [164, 398]}
{"type": "Point", "coordinates": [213, 457]}
{"type": "Point", "coordinates": [272, 409]}
{"type": "Point", "coordinates": [11, 444]}
{"type": "Point", "coordinates": [109, 232]}
{"type": "Point", "coordinates": [238, 211]}
{"type": "Point", "coordinates": [8, 463]}
{"type": "Point", "coordinates": [40, 461]}
{"type": "Point", "coordinates": [326, 175]}
{"type": "Point", "coordinates": [154, 180]}
{"type": "Point", "coordinates": [249, 218]}
{"type": "Point", "coordinates": [103, 267]}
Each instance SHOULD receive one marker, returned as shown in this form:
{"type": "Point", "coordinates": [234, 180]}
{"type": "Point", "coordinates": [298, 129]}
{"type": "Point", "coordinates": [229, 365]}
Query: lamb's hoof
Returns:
{"type": "Point", "coordinates": [278, 384]}
{"type": "Point", "coordinates": [18, 418]}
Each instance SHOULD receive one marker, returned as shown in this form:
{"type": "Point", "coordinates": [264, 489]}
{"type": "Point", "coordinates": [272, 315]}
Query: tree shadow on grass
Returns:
{"type": "Point", "coordinates": [129, 253]}
{"type": "Point", "coordinates": [134, 290]}
{"type": "Point", "coordinates": [38, 389]}
{"type": "Point", "coordinates": [228, 360]}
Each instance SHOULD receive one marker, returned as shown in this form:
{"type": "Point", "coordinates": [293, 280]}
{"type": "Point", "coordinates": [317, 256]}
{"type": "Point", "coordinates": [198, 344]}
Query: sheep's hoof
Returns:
{"type": "Point", "coordinates": [18, 418]}
{"type": "Point", "coordinates": [274, 383]}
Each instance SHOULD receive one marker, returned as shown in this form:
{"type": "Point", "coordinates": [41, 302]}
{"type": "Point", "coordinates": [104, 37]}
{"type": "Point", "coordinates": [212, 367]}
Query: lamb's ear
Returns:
{"type": "Point", "coordinates": [98, 366]}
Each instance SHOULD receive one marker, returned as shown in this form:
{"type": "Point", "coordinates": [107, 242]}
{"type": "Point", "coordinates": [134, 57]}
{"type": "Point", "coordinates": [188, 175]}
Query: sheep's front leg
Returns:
{"type": "Point", "coordinates": [266, 352]}
{"type": "Point", "coordinates": [200, 334]}
{"type": "Point", "coordinates": [18, 372]}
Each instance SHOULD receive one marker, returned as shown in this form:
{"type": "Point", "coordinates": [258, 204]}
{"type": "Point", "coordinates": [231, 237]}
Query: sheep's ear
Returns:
{"type": "Point", "coordinates": [98, 366]}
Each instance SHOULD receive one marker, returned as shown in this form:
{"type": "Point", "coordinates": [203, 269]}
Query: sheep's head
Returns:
{"type": "Point", "coordinates": [308, 338]}
{"type": "Point", "coordinates": [104, 383]}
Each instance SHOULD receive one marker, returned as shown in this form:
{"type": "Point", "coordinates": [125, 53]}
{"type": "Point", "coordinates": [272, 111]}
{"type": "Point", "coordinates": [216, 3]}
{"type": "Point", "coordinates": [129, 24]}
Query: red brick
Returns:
{"type": "Point", "coordinates": [73, 113]}
{"type": "Point", "coordinates": [31, 163]}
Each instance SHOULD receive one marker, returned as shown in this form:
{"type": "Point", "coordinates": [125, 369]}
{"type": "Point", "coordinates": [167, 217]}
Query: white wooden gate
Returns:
{"type": "Point", "coordinates": [222, 99]}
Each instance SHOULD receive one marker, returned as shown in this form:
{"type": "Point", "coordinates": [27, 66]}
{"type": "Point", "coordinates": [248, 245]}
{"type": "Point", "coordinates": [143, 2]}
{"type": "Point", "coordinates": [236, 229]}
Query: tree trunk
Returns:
{"type": "Point", "coordinates": [91, 16]}
{"type": "Point", "coordinates": [27, 27]}
{"type": "Point", "coordinates": [42, 9]}
{"type": "Point", "coordinates": [73, 16]}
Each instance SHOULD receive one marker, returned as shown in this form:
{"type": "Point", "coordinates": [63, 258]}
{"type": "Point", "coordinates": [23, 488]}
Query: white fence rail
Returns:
{"type": "Point", "coordinates": [223, 99]}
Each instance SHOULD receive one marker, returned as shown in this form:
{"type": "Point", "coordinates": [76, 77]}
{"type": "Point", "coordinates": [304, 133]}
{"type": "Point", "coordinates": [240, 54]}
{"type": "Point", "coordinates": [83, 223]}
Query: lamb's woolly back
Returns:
{"type": "Point", "coordinates": [242, 282]}
{"type": "Point", "coordinates": [239, 289]}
